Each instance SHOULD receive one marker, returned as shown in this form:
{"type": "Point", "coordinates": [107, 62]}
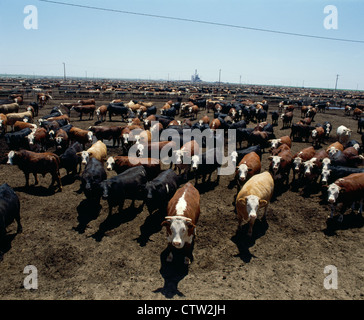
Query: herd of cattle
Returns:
{"type": "Point", "coordinates": [338, 166]}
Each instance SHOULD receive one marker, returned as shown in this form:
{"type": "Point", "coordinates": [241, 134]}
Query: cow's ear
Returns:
{"type": "Point", "coordinates": [262, 202]}
{"type": "Point", "coordinates": [342, 190]}
{"type": "Point", "coordinates": [79, 154]}
{"type": "Point", "coordinates": [242, 201]}
{"type": "Point", "coordinates": [166, 223]}
{"type": "Point", "coordinates": [270, 157]}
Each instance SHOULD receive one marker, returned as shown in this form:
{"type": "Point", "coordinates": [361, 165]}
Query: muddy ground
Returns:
{"type": "Point", "coordinates": [81, 254]}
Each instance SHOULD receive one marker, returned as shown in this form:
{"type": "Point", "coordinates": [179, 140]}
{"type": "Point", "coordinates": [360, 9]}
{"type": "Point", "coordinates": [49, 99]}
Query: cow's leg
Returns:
{"type": "Point", "coordinates": [35, 179]}
{"type": "Point", "coordinates": [188, 253]}
{"type": "Point", "coordinates": [170, 255]}
{"type": "Point", "coordinates": [26, 174]}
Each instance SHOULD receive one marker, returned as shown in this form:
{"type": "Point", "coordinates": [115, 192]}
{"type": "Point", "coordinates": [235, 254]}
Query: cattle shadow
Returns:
{"type": "Point", "coordinates": [350, 220]}
{"type": "Point", "coordinates": [244, 242]}
{"type": "Point", "coordinates": [116, 219]}
{"type": "Point", "coordinates": [5, 244]}
{"type": "Point", "coordinates": [87, 210]}
{"type": "Point", "coordinates": [36, 190]}
{"type": "Point", "coordinates": [152, 225]}
{"type": "Point", "coordinates": [172, 273]}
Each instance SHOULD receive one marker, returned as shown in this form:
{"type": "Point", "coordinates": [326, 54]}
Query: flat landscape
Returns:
{"type": "Point", "coordinates": [82, 254]}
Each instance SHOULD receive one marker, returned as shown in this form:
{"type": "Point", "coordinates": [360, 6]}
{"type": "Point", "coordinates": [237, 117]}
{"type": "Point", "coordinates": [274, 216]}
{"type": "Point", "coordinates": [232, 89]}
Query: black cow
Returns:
{"type": "Point", "coordinates": [360, 125]}
{"type": "Point", "coordinates": [338, 159]}
{"type": "Point", "coordinates": [127, 185]}
{"type": "Point", "coordinates": [161, 189]}
{"type": "Point", "coordinates": [150, 111]}
{"type": "Point", "coordinates": [336, 172]}
{"type": "Point", "coordinates": [35, 106]}
{"type": "Point", "coordinates": [9, 211]}
{"type": "Point", "coordinates": [327, 127]}
{"type": "Point", "coordinates": [275, 117]}
{"type": "Point", "coordinates": [261, 115]}
{"type": "Point", "coordinates": [242, 134]}
{"type": "Point", "coordinates": [240, 124]}
{"type": "Point", "coordinates": [118, 109]}
{"type": "Point", "coordinates": [239, 154]}
{"type": "Point", "coordinates": [91, 177]}
{"type": "Point", "coordinates": [164, 120]}
{"type": "Point", "coordinates": [171, 112]}
{"type": "Point", "coordinates": [300, 132]}
{"type": "Point", "coordinates": [17, 140]}
{"type": "Point", "coordinates": [205, 164]}
{"type": "Point", "coordinates": [70, 160]}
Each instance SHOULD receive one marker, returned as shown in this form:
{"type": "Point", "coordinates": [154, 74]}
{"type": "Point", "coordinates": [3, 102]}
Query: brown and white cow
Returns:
{"type": "Point", "coordinates": [343, 134]}
{"type": "Point", "coordinates": [255, 194]}
{"type": "Point", "coordinates": [32, 162]}
{"type": "Point", "coordinates": [334, 147]}
{"type": "Point", "coordinates": [247, 167]}
{"type": "Point", "coordinates": [101, 113]}
{"type": "Point", "coordinates": [280, 165]}
{"type": "Point", "coordinates": [182, 157]}
{"type": "Point", "coordinates": [183, 212]}
{"type": "Point", "coordinates": [275, 143]}
{"type": "Point", "coordinates": [3, 123]}
{"type": "Point", "coordinates": [98, 151]}
{"type": "Point", "coordinates": [80, 135]}
{"type": "Point", "coordinates": [317, 135]}
{"type": "Point", "coordinates": [348, 191]}
{"type": "Point", "coordinates": [299, 158]}
{"type": "Point", "coordinates": [121, 163]}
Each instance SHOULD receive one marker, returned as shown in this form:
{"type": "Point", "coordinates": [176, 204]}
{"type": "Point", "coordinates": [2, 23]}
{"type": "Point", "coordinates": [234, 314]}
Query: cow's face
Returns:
{"type": "Point", "coordinates": [110, 163]}
{"type": "Point", "coordinates": [178, 156]}
{"type": "Point", "coordinates": [332, 151]}
{"type": "Point", "coordinates": [325, 163]}
{"type": "Point", "coordinates": [30, 138]}
{"type": "Point", "coordinates": [325, 174]}
{"type": "Point", "coordinates": [252, 206]}
{"type": "Point", "coordinates": [308, 166]}
{"type": "Point", "coordinates": [274, 143]}
{"type": "Point", "coordinates": [11, 155]}
{"type": "Point", "coordinates": [85, 156]}
{"type": "Point", "coordinates": [179, 230]}
{"type": "Point", "coordinates": [314, 133]}
{"type": "Point", "coordinates": [234, 156]}
{"type": "Point", "coordinates": [195, 160]}
{"type": "Point", "coordinates": [126, 138]}
{"type": "Point", "coordinates": [333, 191]}
{"type": "Point", "coordinates": [243, 172]}
{"type": "Point", "coordinates": [297, 164]}
{"type": "Point", "coordinates": [140, 150]}
{"type": "Point", "coordinates": [90, 136]}
{"type": "Point", "coordinates": [275, 162]}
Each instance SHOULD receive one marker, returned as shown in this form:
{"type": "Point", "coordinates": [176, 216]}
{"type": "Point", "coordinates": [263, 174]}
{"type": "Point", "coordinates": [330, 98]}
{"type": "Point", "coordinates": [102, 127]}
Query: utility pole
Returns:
{"type": "Point", "coordinates": [64, 71]}
{"type": "Point", "coordinates": [337, 77]}
{"type": "Point", "coordinates": [219, 76]}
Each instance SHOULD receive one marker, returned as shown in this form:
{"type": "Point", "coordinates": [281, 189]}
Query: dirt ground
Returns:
{"type": "Point", "coordinates": [81, 254]}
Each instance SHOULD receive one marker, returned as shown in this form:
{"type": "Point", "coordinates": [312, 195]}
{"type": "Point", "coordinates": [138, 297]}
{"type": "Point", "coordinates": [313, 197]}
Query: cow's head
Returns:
{"type": "Point", "coordinates": [30, 138]}
{"type": "Point", "coordinates": [234, 156]}
{"type": "Point", "coordinates": [314, 133]}
{"type": "Point", "coordinates": [333, 191]}
{"type": "Point", "coordinates": [332, 151]}
{"type": "Point", "coordinates": [252, 204]}
{"type": "Point", "coordinates": [325, 163]}
{"type": "Point", "coordinates": [59, 141]}
{"type": "Point", "coordinates": [325, 174]}
{"type": "Point", "coordinates": [308, 167]}
{"type": "Point", "coordinates": [195, 161]}
{"type": "Point", "coordinates": [242, 172]}
{"type": "Point", "coordinates": [274, 143]}
{"type": "Point", "coordinates": [11, 155]}
{"type": "Point", "coordinates": [110, 163]}
{"type": "Point", "coordinates": [297, 162]}
{"type": "Point", "coordinates": [90, 136]}
{"type": "Point", "coordinates": [179, 230]}
{"type": "Point", "coordinates": [85, 156]}
{"type": "Point", "coordinates": [275, 162]}
{"type": "Point", "coordinates": [126, 138]}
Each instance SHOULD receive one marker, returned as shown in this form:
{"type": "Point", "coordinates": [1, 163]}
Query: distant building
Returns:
{"type": "Point", "coordinates": [195, 77]}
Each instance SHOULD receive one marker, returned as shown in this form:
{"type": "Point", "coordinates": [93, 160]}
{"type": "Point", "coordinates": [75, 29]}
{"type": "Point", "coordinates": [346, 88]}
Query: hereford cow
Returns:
{"type": "Point", "coordinates": [343, 134]}
{"type": "Point", "coordinates": [82, 136]}
{"type": "Point", "coordinates": [9, 108]}
{"type": "Point", "coordinates": [32, 162]}
{"type": "Point", "coordinates": [121, 163]}
{"type": "Point", "coordinates": [280, 165]}
{"type": "Point", "coordinates": [255, 194]}
{"type": "Point", "coordinates": [3, 123]}
{"type": "Point", "coordinates": [275, 143]}
{"type": "Point", "coordinates": [101, 113]}
{"type": "Point", "coordinates": [98, 150]}
{"type": "Point", "coordinates": [85, 109]}
{"type": "Point", "coordinates": [183, 212]}
{"type": "Point", "coordinates": [317, 135]}
{"type": "Point", "coordinates": [247, 167]}
{"type": "Point", "coordinates": [348, 191]}
{"type": "Point", "coordinates": [299, 158]}
{"type": "Point", "coordinates": [107, 133]}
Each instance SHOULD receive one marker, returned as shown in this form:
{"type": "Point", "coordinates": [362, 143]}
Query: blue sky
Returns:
{"type": "Point", "coordinates": [116, 45]}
